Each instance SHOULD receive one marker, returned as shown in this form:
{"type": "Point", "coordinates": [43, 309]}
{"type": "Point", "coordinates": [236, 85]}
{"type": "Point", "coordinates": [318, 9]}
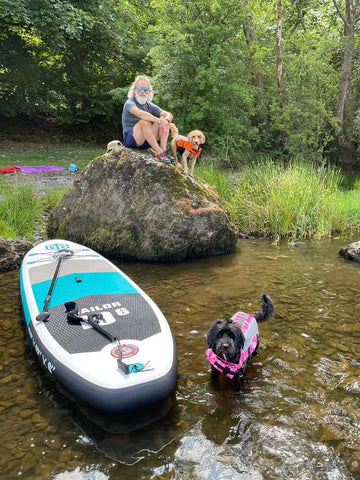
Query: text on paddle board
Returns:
{"type": "Point", "coordinates": [106, 306]}
{"type": "Point", "coordinates": [46, 363]}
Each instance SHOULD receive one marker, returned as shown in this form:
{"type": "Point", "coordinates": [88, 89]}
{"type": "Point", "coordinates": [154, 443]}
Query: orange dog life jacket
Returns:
{"type": "Point", "coordinates": [185, 144]}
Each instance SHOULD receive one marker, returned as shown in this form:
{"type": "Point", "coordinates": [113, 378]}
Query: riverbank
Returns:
{"type": "Point", "coordinates": [294, 201]}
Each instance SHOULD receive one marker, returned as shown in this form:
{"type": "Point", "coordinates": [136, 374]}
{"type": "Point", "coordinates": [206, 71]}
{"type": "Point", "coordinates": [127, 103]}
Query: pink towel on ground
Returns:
{"type": "Point", "coordinates": [40, 168]}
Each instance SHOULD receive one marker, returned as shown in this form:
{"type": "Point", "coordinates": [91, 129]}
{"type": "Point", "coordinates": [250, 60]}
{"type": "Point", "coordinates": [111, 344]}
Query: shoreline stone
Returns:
{"type": "Point", "coordinates": [12, 251]}
{"type": "Point", "coordinates": [351, 251]}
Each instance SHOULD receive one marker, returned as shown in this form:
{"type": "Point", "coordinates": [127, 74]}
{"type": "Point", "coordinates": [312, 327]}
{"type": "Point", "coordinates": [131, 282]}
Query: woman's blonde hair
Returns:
{"type": "Point", "coordinates": [131, 92]}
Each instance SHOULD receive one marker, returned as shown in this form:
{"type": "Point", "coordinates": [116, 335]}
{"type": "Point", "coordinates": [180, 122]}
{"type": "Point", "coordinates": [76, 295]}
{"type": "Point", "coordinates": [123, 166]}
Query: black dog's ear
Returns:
{"type": "Point", "coordinates": [239, 338]}
{"type": "Point", "coordinates": [211, 334]}
{"type": "Point", "coordinates": [214, 330]}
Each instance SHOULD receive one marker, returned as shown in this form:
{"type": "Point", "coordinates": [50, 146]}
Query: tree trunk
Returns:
{"type": "Point", "coordinates": [262, 117]}
{"type": "Point", "coordinates": [279, 59]}
{"type": "Point", "coordinates": [347, 148]}
{"type": "Point", "coordinates": [279, 66]}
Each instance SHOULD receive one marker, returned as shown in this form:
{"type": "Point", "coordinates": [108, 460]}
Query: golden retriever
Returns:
{"type": "Point", "coordinates": [188, 147]}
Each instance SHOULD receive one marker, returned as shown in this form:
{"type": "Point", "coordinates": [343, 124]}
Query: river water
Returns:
{"type": "Point", "coordinates": [297, 416]}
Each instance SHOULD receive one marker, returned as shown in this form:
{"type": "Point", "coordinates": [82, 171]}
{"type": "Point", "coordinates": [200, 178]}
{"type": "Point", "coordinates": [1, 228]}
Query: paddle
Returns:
{"type": "Point", "coordinates": [44, 315]}
{"type": "Point", "coordinates": [93, 319]}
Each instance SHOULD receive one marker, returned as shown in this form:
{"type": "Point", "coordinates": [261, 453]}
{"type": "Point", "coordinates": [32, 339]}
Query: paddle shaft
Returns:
{"type": "Point", "coordinates": [48, 296]}
{"type": "Point", "coordinates": [110, 336]}
{"type": "Point", "coordinates": [43, 316]}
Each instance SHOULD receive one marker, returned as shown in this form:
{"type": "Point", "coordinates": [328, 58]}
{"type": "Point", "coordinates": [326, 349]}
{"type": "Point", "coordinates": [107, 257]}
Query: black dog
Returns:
{"type": "Point", "coordinates": [233, 341]}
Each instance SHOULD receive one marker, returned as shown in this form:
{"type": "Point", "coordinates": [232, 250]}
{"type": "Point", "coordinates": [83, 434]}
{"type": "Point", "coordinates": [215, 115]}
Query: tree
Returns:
{"type": "Point", "coordinates": [63, 57]}
{"type": "Point", "coordinates": [279, 77]}
{"type": "Point", "coordinates": [301, 109]}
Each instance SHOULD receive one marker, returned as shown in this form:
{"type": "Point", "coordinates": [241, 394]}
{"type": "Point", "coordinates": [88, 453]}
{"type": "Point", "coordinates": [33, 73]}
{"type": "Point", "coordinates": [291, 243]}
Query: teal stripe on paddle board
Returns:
{"type": "Point", "coordinates": [67, 288]}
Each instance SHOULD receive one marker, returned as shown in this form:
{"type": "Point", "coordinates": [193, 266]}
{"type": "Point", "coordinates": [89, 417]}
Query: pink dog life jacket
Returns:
{"type": "Point", "coordinates": [249, 328]}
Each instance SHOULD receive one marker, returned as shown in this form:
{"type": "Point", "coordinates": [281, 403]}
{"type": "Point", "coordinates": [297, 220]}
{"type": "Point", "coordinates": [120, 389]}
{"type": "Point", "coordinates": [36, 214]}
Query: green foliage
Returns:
{"type": "Point", "coordinates": [346, 212]}
{"type": "Point", "coordinates": [63, 57]}
{"type": "Point", "coordinates": [20, 211]}
{"type": "Point", "coordinates": [201, 72]}
{"type": "Point", "coordinates": [357, 184]}
{"type": "Point", "coordinates": [52, 197]}
{"type": "Point", "coordinates": [213, 63]}
{"type": "Point", "coordinates": [7, 231]}
{"type": "Point", "coordinates": [311, 80]}
{"type": "Point", "coordinates": [296, 201]}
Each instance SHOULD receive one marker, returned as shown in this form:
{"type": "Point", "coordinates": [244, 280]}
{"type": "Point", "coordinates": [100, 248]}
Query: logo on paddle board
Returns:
{"type": "Point", "coordinates": [57, 246]}
{"type": "Point", "coordinates": [127, 350]}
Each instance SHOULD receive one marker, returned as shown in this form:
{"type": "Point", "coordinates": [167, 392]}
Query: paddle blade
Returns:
{"type": "Point", "coordinates": [43, 317]}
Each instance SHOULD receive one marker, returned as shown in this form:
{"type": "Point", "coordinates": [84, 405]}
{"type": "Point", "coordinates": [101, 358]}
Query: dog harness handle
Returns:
{"type": "Point", "coordinates": [251, 333]}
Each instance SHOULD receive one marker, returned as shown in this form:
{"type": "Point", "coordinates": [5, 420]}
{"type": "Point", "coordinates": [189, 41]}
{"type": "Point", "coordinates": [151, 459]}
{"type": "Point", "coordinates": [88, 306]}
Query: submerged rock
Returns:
{"type": "Point", "coordinates": [351, 251]}
{"type": "Point", "coordinates": [127, 205]}
{"type": "Point", "coordinates": [12, 251]}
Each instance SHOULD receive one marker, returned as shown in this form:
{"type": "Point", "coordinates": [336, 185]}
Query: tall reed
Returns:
{"type": "Point", "coordinates": [297, 200]}
{"type": "Point", "coordinates": [346, 212]}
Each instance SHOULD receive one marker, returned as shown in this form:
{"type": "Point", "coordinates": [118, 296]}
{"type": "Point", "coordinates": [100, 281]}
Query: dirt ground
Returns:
{"type": "Point", "coordinates": [43, 181]}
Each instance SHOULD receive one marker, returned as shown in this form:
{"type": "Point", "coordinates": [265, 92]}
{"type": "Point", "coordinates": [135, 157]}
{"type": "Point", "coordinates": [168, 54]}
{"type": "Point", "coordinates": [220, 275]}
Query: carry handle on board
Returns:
{"type": "Point", "coordinates": [92, 319]}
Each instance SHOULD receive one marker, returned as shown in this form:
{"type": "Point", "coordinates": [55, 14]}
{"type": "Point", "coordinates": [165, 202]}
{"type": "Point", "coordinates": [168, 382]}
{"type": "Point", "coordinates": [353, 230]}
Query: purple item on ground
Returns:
{"type": "Point", "coordinates": [40, 168]}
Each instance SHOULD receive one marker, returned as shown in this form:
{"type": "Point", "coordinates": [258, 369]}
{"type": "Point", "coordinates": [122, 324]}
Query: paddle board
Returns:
{"type": "Point", "coordinates": [94, 330]}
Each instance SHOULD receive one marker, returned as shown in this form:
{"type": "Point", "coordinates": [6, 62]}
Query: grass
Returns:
{"type": "Point", "coordinates": [346, 212]}
{"type": "Point", "coordinates": [21, 209]}
{"type": "Point", "coordinates": [52, 197]}
{"type": "Point", "coordinates": [21, 213]}
{"type": "Point", "coordinates": [220, 179]}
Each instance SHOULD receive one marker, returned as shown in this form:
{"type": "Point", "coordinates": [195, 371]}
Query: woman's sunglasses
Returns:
{"type": "Point", "coordinates": [140, 89]}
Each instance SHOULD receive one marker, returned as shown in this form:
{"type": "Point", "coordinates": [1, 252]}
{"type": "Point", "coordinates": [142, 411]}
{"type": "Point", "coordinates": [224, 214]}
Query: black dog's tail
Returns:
{"type": "Point", "coordinates": [267, 309]}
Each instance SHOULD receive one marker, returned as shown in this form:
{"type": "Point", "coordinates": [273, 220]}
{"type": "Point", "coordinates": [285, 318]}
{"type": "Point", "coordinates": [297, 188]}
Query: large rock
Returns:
{"type": "Point", "coordinates": [127, 205]}
{"type": "Point", "coordinates": [12, 251]}
{"type": "Point", "coordinates": [351, 251]}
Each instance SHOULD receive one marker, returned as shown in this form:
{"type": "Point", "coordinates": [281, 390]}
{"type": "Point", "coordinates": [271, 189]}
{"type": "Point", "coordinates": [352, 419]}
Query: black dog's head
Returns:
{"type": "Point", "coordinates": [226, 339]}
